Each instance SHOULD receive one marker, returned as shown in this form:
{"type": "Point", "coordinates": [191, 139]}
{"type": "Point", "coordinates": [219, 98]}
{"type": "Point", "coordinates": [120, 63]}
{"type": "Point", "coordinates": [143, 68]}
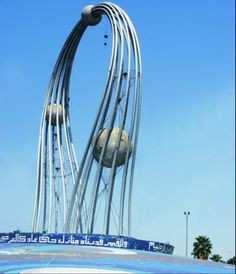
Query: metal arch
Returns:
{"type": "Point", "coordinates": [69, 193]}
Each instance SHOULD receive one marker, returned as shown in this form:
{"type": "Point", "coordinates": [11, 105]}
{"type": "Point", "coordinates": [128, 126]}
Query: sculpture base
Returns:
{"type": "Point", "coordinates": [71, 258]}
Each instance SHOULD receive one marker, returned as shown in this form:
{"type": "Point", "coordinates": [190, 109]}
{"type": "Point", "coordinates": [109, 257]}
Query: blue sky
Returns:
{"type": "Point", "coordinates": [186, 146]}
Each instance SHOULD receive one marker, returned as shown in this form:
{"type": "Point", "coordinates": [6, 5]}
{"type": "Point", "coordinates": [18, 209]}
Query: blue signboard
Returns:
{"type": "Point", "coordinates": [86, 240]}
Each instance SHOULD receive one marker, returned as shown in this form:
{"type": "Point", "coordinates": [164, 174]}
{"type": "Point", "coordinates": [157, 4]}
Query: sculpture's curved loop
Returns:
{"type": "Point", "coordinates": [74, 196]}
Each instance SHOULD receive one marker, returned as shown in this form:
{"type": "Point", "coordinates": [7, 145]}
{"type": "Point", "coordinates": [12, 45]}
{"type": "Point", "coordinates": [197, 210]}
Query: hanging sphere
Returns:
{"type": "Point", "coordinates": [53, 108]}
{"type": "Point", "coordinates": [110, 149]}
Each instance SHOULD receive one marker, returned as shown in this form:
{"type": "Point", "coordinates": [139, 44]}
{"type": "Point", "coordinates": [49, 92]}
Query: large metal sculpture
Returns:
{"type": "Point", "coordinates": [93, 196]}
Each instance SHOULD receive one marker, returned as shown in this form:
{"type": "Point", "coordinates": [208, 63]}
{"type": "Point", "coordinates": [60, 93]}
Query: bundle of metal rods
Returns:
{"type": "Point", "coordinates": [69, 195]}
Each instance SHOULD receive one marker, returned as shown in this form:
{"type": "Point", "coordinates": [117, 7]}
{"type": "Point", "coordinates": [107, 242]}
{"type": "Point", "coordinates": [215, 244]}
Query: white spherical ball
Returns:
{"type": "Point", "coordinates": [88, 17]}
{"type": "Point", "coordinates": [54, 108]}
{"type": "Point", "coordinates": [110, 149]}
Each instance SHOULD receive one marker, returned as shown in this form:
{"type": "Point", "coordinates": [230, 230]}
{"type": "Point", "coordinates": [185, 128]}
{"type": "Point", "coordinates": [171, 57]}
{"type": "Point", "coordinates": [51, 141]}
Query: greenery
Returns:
{"type": "Point", "coordinates": [216, 258]}
{"type": "Point", "coordinates": [17, 230]}
{"type": "Point", "coordinates": [232, 261]}
{"type": "Point", "coordinates": [202, 248]}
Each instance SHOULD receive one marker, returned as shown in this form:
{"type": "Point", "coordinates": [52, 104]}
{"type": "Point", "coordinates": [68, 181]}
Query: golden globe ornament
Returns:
{"type": "Point", "coordinates": [54, 108]}
{"type": "Point", "coordinates": [111, 146]}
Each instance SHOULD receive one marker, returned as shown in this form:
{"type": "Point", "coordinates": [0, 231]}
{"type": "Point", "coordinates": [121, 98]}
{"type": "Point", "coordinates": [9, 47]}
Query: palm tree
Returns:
{"type": "Point", "coordinates": [232, 260]}
{"type": "Point", "coordinates": [202, 248]}
{"type": "Point", "coordinates": [216, 258]}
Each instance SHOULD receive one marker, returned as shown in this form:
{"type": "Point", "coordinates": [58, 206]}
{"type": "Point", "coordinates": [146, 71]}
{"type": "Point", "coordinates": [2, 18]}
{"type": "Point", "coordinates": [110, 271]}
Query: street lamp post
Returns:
{"type": "Point", "coordinates": [186, 213]}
